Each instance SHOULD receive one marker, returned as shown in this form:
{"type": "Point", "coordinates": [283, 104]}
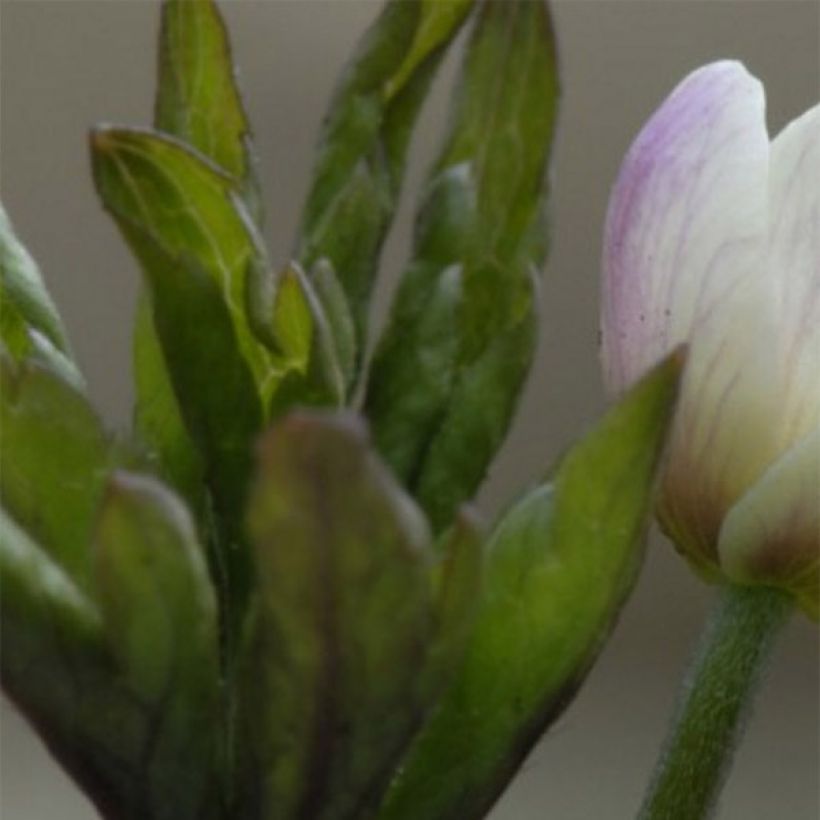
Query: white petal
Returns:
{"type": "Point", "coordinates": [684, 261]}
{"type": "Point", "coordinates": [687, 217]}
{"type": "Point", "coordinates": [724, 435]}
{"type": "Point", "coordinates": [772, 534]}
{"type": "Point", "coordinates": [794, 260]}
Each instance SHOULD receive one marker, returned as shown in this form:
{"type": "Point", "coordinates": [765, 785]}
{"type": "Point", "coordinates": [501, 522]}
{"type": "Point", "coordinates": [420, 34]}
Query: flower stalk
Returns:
{"type": "Point", "coordinates": [715, 702]}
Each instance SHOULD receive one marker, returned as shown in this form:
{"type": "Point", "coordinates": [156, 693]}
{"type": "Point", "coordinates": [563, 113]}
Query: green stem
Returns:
{"type": "Point", "coordinates": [714, 703]}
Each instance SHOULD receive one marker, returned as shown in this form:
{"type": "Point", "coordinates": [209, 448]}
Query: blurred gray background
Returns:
{"type": "Point", "coordinates": [68, 64]}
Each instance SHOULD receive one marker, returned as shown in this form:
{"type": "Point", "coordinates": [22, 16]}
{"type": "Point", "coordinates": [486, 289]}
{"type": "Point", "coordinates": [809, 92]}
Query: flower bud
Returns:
{"type": "Point", "coordinates": [713, 239]}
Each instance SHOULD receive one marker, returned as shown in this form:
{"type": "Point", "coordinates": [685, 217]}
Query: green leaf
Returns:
{"type": "Point", "coordinates": [158, 418]}
{"type": "Point", "coordinates": [216, 393]}
{"type": "Point", "coordinates": [30, 326]}
{"type": "Point", "coordinates": [198, 98]}
{"type": "Point", "coordinates": [54, 456]}
{"type": "Point", "coordinates": [56, 669]}
{"type": "Point", "coordinates": [305, 335]}
{"type": "Point", "coordinates": [458, 581]}
{"type": "Point", "coordinates": [560, 564]}
{"type": "Point", "coordinates": [448, 371]}
{"type": "Point", "coordinates": [189, 208]}
{"type": "Point", "coordinates": [160, 622]}
{"type": "Point", "coordinates": [334, 671]}
{"type": "Point", "coordinates": [360, 163]}
{"type": "Point", "coordinates": [23, 292]}
{"type": "Point", "coordinates": [183, 221]}
{"type": "Point", "coordinates": [336, 310]}
{"type": "Point", "coordinates": [197, 101]}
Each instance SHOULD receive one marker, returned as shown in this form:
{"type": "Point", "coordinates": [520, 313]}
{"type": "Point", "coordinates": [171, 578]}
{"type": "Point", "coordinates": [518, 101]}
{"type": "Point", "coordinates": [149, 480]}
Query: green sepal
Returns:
{"type": "Point", "coordinates": [360, 163]}
{"type": "Point", "coordinates": [160, 624]}
{"type": "Point", "coordinates": [560, 564]}
{"type": "Point", "coordinates": [335, 662]}
{"type": "Point", "coordinates": [54, 457]}
{"type": "Point", "coordinates": [449, 369]}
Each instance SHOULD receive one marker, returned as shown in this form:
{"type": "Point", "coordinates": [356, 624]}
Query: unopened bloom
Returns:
{"type": "Point", "coordinates": [713, 239]}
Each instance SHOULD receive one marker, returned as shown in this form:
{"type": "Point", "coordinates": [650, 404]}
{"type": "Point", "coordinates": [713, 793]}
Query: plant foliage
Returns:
{"type": "Point", "coordinates": [246, 606]}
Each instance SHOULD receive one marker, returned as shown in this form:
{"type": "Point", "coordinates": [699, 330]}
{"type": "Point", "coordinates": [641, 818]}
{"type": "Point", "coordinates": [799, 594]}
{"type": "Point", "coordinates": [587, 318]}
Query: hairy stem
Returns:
{"type": "Point", "coordinates": [714, 703]}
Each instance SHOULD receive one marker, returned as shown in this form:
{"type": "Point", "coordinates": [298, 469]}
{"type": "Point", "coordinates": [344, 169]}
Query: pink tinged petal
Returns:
{"type": "Point", "coordinates": [687, 218]}
{"type": "Point", "coordinates": [794, 261]}
{"type": "Point", "coordinates": [684, 260]}
{"type": "Point", "coordinates": [772, 534]}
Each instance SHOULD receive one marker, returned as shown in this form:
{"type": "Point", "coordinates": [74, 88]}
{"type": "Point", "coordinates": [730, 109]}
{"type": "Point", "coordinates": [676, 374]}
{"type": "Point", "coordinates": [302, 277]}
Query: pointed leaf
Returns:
{"type": "Point", "coordinates": [197, 101]}
{"type": "Point", "coordinates": [304, 334]}
{"type": "Point", "coordinates": [333, 673]}
{"type": "Point", "coordinates": [54, 457]}
{"type": "Point", "coordinates": [216, 394]}
{"type": "Point", "coordinates": [560, 565]}
{"type": "Point", "coordinates": [30, 327]}
{"type": "Point", "coordinates": [189, 209]}
{"type": "Point", "coordinates": [362, 151]}
{"type": "Point", "coordinates": [180, 216]}
{"type": "Point", "coordinates": [22, 289]}
{"type": "Point", "coordinates": [197, 95]}
{"type": "Point", "coordinates": [448, 372]}
{"type": "Point", "coordinates": [159, 616]}
{"type": "Point", "coordinates": [336, 309]}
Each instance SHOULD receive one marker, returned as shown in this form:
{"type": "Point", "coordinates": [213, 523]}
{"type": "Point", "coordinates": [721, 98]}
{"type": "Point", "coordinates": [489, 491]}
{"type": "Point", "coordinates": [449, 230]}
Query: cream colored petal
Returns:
{"type": "Point", "coordinates": [687, 219]}
{"type": "Point", "coordinates": [772, 534]}
{"type": "Point", "coordinates": [724, 435]}
{"type": "Point", "coordinates": [794, 261]}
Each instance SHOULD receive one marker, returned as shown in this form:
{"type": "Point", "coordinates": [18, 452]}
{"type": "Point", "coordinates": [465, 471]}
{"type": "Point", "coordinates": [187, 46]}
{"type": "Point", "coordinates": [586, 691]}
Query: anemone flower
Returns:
{"type": "Point", "coordinates": [713, 240]}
